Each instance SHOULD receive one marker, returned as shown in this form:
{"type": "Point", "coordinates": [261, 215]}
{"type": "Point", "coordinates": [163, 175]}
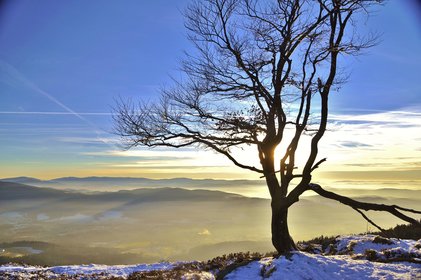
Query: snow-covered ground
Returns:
{"type": "Point", "coordinates": [346, 259]}
{"type": "Point", "coordinates": [91, 269]}
{"type": "Point", "coordinates": [318, 267]}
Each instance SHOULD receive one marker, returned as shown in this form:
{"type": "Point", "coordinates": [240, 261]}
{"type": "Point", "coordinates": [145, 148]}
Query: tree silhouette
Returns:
{"type": "Point", "coordinates": [262, 70]}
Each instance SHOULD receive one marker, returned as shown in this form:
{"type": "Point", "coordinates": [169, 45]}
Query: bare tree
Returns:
{"type": "Point", "coordinates": [262, 70]}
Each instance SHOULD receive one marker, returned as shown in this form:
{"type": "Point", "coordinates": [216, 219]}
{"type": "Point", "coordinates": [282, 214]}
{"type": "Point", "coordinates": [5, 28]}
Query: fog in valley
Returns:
{"type": "Point", "coordinates": [83, 220]}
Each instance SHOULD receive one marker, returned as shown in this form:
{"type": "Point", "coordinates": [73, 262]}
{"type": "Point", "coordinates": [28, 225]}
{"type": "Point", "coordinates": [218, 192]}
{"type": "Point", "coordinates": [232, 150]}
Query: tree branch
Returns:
{"type": "Point", "coordinates": [369, 220]}
{"type": "Point", "coordinates": [392, 209]}
{"type": "Point", "coordinates": [317, 164]}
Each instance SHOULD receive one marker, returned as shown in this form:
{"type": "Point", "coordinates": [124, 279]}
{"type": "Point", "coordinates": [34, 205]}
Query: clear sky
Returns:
{"type": "Point", "coordinates": [63, 64]}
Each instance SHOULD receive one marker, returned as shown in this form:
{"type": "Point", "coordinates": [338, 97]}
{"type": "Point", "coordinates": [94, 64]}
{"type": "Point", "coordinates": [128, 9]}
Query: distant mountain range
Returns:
{"type": "Point", "coordinates": [119, 183]}
{"type": "Point", "coordinates": [118, 180]}
{"type": "Point", "coordinates": [250, 188]}
{"type": "Point", "coordinates": [17, 191]}
{"type": "Point", "coordinates": [139, 225]}
{"type": "Point", "coordinates": [162, 222]}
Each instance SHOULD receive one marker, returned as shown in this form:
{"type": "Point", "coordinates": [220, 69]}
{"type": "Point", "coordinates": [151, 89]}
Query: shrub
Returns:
{"type": "Point", "coordinates": [382, 240]}
{"type": "Point", "coordinates": [371, 255]}
{"type": "Point", "coordinates": [409, 231]}
{"type": "Point", "coordinates": [325, 241]}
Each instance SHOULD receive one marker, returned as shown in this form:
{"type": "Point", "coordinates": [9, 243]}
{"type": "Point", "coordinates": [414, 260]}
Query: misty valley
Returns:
{"type": "Point", "coordinates": [68, 222]}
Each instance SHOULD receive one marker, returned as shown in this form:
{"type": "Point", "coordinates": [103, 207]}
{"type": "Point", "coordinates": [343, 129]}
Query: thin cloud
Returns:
{"type": "Point", "coordinates": [141, 166]}
{"type": "Point", "coordinates": [353, 144]}
{"type": "Point", "coordinates": [54, 113]}
{"type": "Point", "coordinates": [14, 74]}
{"type": "Point", "coordinates": [86, 140]}
{"type": "Point", "coordinates": [141, 160]}
{"type": "Point", "coordinates": [410, 116]}
{"type": "Point", "coordinates": [381, 140]}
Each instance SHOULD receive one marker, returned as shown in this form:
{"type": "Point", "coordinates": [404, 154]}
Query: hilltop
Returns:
{"type": "Point", "coordinates": [348, 257]}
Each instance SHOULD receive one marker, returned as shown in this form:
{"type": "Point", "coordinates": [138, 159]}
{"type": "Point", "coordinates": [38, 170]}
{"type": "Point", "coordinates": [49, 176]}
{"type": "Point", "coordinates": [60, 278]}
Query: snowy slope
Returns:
{"type": "Point", "coordinates": [348, 262]}
{"type": "Point", "coordinates": [318, 267]}
{"type": "Point", "coordinates": [359, 244]}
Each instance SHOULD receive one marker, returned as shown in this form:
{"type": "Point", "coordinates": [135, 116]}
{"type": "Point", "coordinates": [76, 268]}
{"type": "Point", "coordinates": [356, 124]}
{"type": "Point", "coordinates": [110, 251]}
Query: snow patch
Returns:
{"type": "Point", "coordinates": [90, 269]}
{"type": "Point", "coordinates": [358, 244]}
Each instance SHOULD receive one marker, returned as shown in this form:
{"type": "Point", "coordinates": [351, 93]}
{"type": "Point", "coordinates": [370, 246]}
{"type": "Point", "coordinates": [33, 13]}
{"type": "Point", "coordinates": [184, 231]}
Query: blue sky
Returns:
{"type": "Point", "coordinates": [63, 64]}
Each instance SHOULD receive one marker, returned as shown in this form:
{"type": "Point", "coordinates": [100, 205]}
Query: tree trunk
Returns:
{"type": "Point", "coordinates": [281, 239]}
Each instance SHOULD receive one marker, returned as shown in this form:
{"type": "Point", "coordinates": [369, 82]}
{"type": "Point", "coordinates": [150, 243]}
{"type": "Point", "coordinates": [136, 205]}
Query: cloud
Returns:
{"type": "Point", "coordinates": [379, 140]}
{"type": "Point", "coordinates": [87, 140]}
{"type": "Point", "coordinates": [12, 217]}
{"type": "Point", "coordinates": [160, 159]}
{"type": "Point", "coordinates": [141, 155]}
{"type": "Point", "coordinates": [364, 164]}
{"type": "Point", "coordinates": [140, 165]}
{"type": "Point", "coordinates": [77, 218]}
{"type": "Point", "coordinates": [409, 115]}
{"type": "Point", "coordinates": [366, 141]}
{"type": "Point", "coordinates": [42, 217]}
{"type": "Point", "coordinates": [377, 174]}
{"type": "Point", "coordinates": [83, 218]}
{"type": "Point", "coordinates": [110, 215]}
{"type": "Point", "coordinates": [353, 144]}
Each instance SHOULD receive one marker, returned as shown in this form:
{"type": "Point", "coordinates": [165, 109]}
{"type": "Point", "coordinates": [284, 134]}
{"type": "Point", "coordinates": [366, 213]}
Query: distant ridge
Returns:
{"type": "Point", "coordinates": [23, 180]}
{"type": "Point", "coordinates": [18, 191]}
{"type": "Point", "coordinates": [95, 183]}
{"type": "Point", "coordinates": [251, 188]}
{"type": "Point", "coordinates": [14, 191]}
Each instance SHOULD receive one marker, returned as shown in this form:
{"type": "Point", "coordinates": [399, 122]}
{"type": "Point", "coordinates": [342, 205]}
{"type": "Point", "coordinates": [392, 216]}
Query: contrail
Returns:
{"type": "Point", "coordinates": [53, 113]}
{"type": "Point", "coordinates": [15, 74]}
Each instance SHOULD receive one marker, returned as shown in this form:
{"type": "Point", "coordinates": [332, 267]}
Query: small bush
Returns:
{"type": "Point", "coordinates": [267, 270]}
{"type": "Point", "coordinates": [310, 248]}
{"type": "Point", "coordinates": [351, 245]}
{"type": "Point", "coordinates": [371, 255]}
{"type": "Point", "coordinates": [382, 240]}
{"type": "Point", "coordinates": [331, 250]}
{"type": "Point", "coordinates": [324, 241]}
